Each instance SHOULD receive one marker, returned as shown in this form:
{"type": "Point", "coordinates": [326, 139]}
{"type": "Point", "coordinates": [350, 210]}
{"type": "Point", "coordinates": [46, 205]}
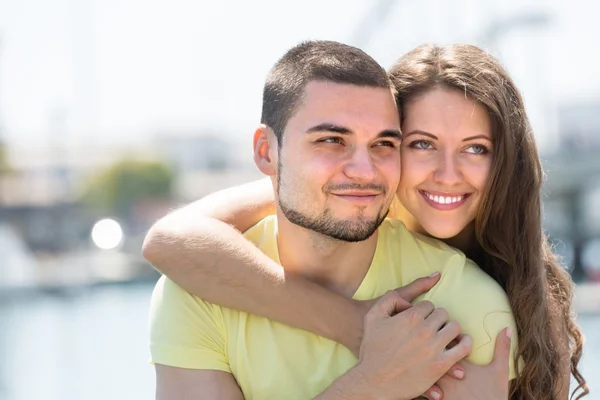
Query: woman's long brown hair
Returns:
{"type": "Point", "coordinates": [509, 244]}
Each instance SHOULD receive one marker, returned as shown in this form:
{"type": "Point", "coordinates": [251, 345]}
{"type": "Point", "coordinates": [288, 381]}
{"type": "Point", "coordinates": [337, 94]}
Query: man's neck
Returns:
{"type": "Point", "coordinates": [337, 265]}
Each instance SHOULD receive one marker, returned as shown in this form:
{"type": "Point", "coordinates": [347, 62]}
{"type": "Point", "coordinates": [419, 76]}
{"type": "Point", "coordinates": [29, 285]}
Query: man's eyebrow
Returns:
{"type": "Point", "coordinates": [328, 127]}
{"type": "Point", "coordinates": [390, 133]}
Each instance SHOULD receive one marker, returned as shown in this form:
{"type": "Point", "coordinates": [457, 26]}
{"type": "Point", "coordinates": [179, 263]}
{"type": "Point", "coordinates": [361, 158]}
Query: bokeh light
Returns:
{"type": "Point", "coordinates": [107, 234]}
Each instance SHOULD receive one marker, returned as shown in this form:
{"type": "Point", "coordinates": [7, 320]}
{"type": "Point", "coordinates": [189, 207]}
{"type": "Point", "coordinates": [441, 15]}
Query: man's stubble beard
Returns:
{"type": "Point", "coordinates": [325, 224]}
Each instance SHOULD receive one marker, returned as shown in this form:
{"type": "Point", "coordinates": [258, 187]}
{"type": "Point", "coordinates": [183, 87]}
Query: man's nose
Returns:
{"type": "Point", "coordinates": [361, 167]}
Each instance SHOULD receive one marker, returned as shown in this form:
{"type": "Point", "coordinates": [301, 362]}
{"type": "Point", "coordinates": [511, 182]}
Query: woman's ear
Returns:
{"type": "Point", "coordinates": [265, 152]}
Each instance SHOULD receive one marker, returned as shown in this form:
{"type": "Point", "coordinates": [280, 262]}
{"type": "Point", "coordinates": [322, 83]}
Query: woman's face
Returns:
{"type": "Point", "coordinates": [446, 157]}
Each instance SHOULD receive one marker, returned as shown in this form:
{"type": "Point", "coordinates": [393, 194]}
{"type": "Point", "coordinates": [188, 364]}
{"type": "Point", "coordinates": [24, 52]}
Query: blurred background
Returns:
{"type": "Point", "coordinates": [114, 112]}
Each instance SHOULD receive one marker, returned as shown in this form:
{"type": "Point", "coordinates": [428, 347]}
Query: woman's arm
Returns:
{"type": "Point", "coordinates": [241, 206]}
{"type": "Point", "coordinates": [197, 249]}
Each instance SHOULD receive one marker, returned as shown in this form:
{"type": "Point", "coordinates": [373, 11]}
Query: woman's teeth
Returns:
{"type": "Point", "coordinates": [444, 199]}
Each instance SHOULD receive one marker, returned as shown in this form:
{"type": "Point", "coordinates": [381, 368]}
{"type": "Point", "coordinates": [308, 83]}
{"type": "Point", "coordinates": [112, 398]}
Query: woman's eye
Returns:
{"type": "Point", "coordinates": [421, 145]}
{"type": "Point", "coordinates": [477, 149]}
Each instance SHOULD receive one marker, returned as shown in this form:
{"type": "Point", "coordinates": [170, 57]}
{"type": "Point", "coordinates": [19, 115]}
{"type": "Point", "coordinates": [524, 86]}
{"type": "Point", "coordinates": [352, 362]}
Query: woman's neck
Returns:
{"type": "Point", "coordinates": [463, 241]}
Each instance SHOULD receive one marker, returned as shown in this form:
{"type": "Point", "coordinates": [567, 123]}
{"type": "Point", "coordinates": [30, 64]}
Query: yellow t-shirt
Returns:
{"type": "Point", "coordinates": [271, 360]}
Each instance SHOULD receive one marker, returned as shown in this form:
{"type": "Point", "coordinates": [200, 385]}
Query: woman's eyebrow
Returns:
{"type": "Point", "coordinates": [486, 137]}
{"type": "Point", "coordinates": [420, 132]}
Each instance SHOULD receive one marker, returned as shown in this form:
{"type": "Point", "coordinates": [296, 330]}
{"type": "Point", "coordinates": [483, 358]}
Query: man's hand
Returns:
{"type": "Point", "coordinates": [489, 382]}
{"type": "Point", "coordinates": [407, 293]}
{"type": "Point", "coordinates": [404, 349]}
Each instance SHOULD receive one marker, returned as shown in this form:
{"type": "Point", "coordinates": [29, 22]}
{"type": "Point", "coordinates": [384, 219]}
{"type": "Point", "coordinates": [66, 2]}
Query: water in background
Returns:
{"type": "Point", "coordinates": [89, 345]}
{"type": "Point", "coordinates": [93, 345]}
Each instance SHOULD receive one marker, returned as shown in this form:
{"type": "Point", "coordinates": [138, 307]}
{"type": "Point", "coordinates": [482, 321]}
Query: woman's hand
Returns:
{"type": "Point", "coordinates": [482, 382]}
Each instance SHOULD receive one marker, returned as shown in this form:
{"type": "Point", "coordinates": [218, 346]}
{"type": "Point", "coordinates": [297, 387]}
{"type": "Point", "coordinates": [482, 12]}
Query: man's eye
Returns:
{"type": "Point", "coordinates": [387, 143]}
{"type": "Point", "coordinates": [333, 140]}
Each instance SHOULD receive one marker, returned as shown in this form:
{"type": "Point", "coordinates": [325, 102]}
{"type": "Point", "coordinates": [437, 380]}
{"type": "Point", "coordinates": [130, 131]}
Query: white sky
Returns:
{"type": "Point", "coordinates": [97, 71]}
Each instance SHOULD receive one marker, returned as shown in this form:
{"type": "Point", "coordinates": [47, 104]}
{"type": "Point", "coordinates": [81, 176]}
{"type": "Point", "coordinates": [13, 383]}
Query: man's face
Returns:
{"type": "Point", "coordinates": [339, 161]}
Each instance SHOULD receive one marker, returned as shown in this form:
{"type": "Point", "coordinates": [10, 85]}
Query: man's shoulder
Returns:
{"type": "Point", "coordinates": [168, 295]}
{"type": "Point", "coordinates": [264, 231]}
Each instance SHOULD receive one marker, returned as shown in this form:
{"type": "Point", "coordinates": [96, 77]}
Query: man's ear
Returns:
{"type": "Point", "coordinates": [265, 150]}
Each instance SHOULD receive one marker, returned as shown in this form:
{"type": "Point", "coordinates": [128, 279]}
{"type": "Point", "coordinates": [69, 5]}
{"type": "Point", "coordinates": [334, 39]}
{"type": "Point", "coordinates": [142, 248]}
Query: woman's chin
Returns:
{"type": "Point", "coordinates": [441, 233]}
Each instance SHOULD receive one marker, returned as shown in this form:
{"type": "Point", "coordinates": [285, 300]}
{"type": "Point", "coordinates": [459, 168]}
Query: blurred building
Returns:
{"type": "Point", "coordinates": [572, 191]}
{"type": "Point", "coordinates": [39, 207]}
{"type": "Point", "coordinates": [40, 196]}
{"type": "Point", "coordinates": [191, 151]}
{"type": "Point", "coordinates": [579, 124]}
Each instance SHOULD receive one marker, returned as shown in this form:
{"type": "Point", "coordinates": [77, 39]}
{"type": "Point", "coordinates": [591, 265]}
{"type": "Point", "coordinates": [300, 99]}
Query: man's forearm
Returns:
{"type": "Point", "coordinates": [355, 385]}
{"type": "Point", "coordinates": [350, 386]}
{"type": "Point", "coordinates": [212, 260]}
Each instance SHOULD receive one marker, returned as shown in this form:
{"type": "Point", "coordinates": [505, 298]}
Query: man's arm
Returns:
{"type": "Point", "coordinates": [350, 386]}
{"type": "Point", "coordinates": [191, 384]}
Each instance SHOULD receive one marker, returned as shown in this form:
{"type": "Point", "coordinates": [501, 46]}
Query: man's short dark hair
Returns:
{"type": "Point", "coordinates": [314, 60]}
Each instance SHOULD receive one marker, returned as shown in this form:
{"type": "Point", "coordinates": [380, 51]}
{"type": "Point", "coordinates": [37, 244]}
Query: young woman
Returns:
{"type": "Point", "coordinates": [471, 176]}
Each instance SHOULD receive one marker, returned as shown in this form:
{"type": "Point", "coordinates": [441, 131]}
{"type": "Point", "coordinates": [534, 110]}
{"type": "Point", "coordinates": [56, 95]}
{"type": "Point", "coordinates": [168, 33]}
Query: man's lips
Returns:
{"type": "Point", "coordinates": [358, 197]}
{"type": "Point", "coordinates": [357, 193]}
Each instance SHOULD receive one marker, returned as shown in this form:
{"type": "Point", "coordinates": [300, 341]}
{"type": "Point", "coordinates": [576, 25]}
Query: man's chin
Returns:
{"type": "Point", "coordinates": [349, 237]}
{"type": "Point", "coordinates": [347, 227]}
{"type": "Point", "coordinates": [355, 231]}
{"type": "Point", "coordinates": [359, 220]}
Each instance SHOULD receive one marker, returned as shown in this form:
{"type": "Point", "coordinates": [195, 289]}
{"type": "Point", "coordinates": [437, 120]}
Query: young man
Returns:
{"type": "Point", "coordinates": [329, 141]}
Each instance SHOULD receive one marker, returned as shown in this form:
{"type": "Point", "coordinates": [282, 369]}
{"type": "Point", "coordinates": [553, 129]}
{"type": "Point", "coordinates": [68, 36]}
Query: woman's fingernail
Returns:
{"type": "Point", "coordinates": [435, 395]}
{"type": "Point", "coordinates": [434, 275]}
{"type": "Point", "coordinates": [459, 373]}
{"type": "Point", "coordinates": [509, 332]}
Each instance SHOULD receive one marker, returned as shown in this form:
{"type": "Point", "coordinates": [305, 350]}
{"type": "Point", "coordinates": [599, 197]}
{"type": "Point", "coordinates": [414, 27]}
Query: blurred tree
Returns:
{"type": "Point", "coordinates": [119, 187]}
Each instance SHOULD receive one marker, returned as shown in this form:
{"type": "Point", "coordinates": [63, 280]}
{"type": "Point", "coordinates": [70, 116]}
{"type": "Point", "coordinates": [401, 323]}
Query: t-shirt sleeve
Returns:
{"type": "Point", "coordinates": [478, 304]}
{"type": "Point", "coordinates": [185, 331]}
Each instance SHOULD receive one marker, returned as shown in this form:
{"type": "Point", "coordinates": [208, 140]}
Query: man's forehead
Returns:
{"type": "Point", "coordinates": [326, 96]}
{"type": "Point", "coordinates": [340, 104]}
